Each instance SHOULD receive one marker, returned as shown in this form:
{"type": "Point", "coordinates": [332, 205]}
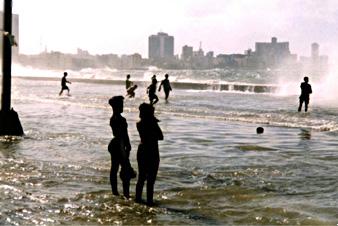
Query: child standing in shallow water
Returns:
{"type": "Point", "coordinates": [148, 157]}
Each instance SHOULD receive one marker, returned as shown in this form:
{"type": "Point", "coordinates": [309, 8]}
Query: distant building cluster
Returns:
{"type": "Point", "coordinates": [266, 55]}
{"type": "Point", "coordinates": [82, 59]}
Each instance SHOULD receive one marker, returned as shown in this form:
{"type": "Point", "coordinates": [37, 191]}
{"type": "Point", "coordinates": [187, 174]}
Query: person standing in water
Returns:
{"type": "Point", "coordinates": [166, 86]}
{"type": "Point", "coordinates": [64, 82]}
{"type": "Point", "coordinates": [151, 91]}
{"type": "Point", "coordinates": [119, 148]}
{"type": "Point", "coordinates": [128, 82]}
{"type": "Point", "coordinates": [305, 94]}
{"type": "Point", "coordinates": [148, 156]}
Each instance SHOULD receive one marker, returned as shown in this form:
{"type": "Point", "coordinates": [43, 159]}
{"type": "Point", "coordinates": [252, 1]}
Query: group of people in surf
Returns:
{"type": "Point", "coordinates": [306, 89]}
{"type": "Point", "coordinates": [150, 133]}
{"type": "Point", "coordinates": [151, 89]}
{"type": "Point", "coordinates": [148, 157]}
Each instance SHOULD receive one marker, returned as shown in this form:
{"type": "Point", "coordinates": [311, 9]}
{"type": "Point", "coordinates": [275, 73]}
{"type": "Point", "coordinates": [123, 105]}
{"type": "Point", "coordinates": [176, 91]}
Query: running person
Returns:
{"type": "Point", "coordinates": [64, 82]}
{"type": "Point", "coordinates": [151, 90]}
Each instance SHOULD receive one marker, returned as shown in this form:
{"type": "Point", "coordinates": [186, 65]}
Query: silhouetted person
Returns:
{"type": "Point", "coordinates": [148, 156]}
{"type": "Point", "coordinates": [260, 130]}
{"type": "Point", "coordinates": [305, 95]}
{"type": "Point", "coordinates": [166, 86]}
{"type": "Point", "coordinates": [128, 82]}
{"type": "Point", "coordinates": [153, 79]}
{"type": "Point", "coordinates": [119, 148]}
{"type": "Point", "coordinates": [131, 91]}
{"type": "Point", "coordinates": [64, 82]}
{"type": "Point", "coordinates": [151, 90]}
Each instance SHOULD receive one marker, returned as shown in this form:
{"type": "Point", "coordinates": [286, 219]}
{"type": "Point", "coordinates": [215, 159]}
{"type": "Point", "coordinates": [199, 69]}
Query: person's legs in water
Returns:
{"type": "Point", "coordinates": [139, 186]}
{"type": "Point", "coordinates": [300, 104]}
{"type": "Point", "coordinates": [126, 174]}
{"type": "Point", "coordinates": [166, 92]}
{"type": "Point", "coordinates": [306, 104]}
{"type": "Point", "coordinates": [61, 92]}
{"type": "Point", "coordinates": [113, 174]}
{"type": "Point", "coordinates": [155, 101]}
{"type": "Point", "coordinates": [125, 182]}
{"type": "Point", "coordinates": [151, 178]}
{"type": "Point", "coordinates": [142, 175]}
{"type": "Point", "coordinates": [66, 88]}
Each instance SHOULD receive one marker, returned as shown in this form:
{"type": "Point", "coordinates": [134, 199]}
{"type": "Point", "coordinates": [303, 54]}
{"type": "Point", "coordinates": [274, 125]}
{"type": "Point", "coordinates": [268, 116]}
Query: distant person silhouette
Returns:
{"type": "Point", "coordinates": [151, 91]}
{"type": "Point", "coordinates": [128, 82]}
{"type": "Point", "coordinates": [260, 130]}
{"type": "Point", "coordinates": [305, 94]}
{"type": "Point", "coordinates": [153, 79]}
{"type": "Point", "coordinates": [119, 148]}
{"type": "Point", "coordinates": [148, 157]}
{"type": "Point", "coordinates": [64, 82]}
{"type": "Point", "coordinates": [131, 91]}
{"type": "Point", "coordinates": [166, 86]}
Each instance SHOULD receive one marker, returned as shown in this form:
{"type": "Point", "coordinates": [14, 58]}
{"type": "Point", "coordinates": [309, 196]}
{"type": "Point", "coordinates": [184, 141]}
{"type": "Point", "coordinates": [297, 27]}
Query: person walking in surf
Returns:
{"type": "Point", "coordinates": [64, 82]}
{"type": "Point", "coordinates": [166, 86]}
{"type": "Point", "coordinates": [151, 91]}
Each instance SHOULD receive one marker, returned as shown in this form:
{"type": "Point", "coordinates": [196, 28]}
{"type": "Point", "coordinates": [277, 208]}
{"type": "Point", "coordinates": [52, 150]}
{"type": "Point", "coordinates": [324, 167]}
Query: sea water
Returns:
{"type": "Point", "coordinates": [214, 168]}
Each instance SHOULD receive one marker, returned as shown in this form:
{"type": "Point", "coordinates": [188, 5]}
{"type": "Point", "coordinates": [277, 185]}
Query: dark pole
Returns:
{"type": "Point", "coordinates": [9, 119]}
{"type": "Point", "coordinates": [7, 57]}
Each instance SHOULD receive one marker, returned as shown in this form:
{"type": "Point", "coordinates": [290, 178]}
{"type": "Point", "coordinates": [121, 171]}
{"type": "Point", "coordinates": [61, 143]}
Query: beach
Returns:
{"type": "Point", "coordinates": [214, 168]}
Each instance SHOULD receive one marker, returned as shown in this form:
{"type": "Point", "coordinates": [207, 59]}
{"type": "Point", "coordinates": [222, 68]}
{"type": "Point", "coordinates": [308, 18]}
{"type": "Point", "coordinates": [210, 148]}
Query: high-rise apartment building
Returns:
{"type": "Point", "coordinates": [187, 53]}
{"type": "Point", "coordinates": [161, 46]}
{"type": "Point", "coordinates": [315, 50]}
{"type": "Point", "coordinates": [272, 53]}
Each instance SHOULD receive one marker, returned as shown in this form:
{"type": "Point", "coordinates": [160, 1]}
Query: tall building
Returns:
{"type": "Point", "coordinates": [272, 53]}
{"type": "Point", "coordinates": [161, 46]}
{"type": "Point", "coordinates": [314, 50]}
{"type": "Point", "coordinates": [187, 53]}
{"type": "Point", "coordinates": [316, 64]}
{"type": "Point", "coordinates": [15, 32]}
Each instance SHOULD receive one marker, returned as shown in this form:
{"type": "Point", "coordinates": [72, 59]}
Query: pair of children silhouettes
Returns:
{"type": "Point", "coordinates": [147, 154]}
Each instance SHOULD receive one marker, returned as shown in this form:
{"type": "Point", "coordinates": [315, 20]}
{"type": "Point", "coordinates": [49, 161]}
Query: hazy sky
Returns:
{"type": "Point", "coordinates": [223, 26]}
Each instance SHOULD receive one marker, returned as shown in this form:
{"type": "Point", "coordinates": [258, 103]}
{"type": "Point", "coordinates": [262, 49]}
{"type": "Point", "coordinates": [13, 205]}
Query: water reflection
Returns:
{"type": "Point", "coordinates": [8, 145]}
{"type": "Point", "coordinates": [305, 134]}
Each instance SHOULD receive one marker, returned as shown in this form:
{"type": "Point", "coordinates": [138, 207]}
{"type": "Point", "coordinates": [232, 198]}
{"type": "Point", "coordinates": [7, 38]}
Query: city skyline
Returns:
{"type": "Point", "coordinates": [223, 27]}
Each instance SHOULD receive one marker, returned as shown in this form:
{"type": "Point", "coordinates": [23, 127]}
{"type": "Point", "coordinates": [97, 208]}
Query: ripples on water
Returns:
{"type": "Point", "coordinates": [214, 169]}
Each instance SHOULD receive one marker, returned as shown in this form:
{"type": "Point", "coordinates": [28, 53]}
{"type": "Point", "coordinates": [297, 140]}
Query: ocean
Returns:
{"type": "Point", "coordinates": [214, 168]}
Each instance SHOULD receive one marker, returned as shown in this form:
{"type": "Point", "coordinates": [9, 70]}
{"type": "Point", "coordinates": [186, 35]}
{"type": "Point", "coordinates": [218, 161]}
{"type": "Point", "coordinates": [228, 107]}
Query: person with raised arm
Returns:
{"type": "Point", "coordinates": [148, 156]}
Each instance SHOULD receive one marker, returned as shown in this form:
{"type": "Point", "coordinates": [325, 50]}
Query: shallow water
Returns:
{"type": "Point", "coordinates": [214, 169]}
